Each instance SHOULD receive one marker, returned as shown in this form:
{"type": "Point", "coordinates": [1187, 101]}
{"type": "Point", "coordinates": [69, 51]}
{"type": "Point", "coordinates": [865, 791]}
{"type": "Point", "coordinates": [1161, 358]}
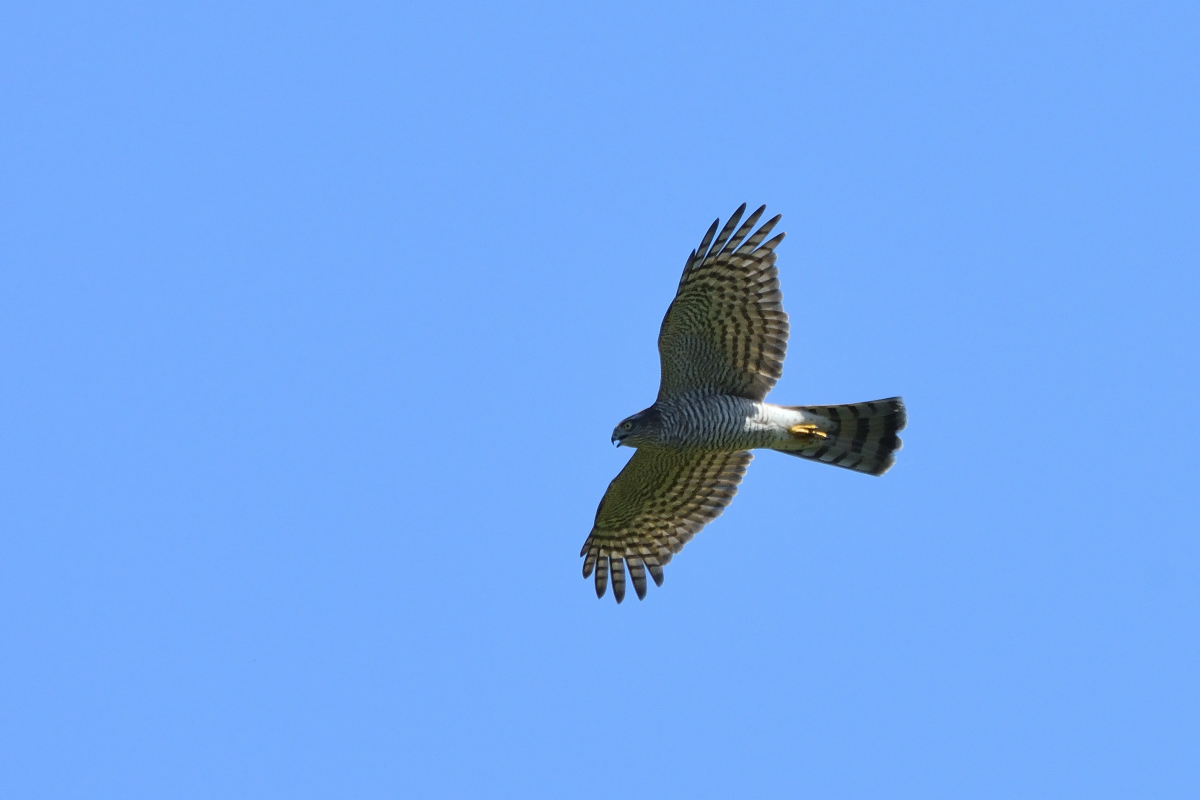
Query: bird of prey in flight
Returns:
{"type": "Point", "coordinates": [721, 345]}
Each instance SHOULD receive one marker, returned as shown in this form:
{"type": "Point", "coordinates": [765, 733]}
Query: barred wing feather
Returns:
{"type": "Point", "coordinates": [658, 502]}
{"type": "Point", "coordinates": [726, 330]}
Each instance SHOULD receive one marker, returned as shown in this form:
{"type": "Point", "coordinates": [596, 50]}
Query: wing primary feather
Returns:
{"type": "Point", "coordinates": [747, 226]}
{"type": "Point", "coordinates": [723, 236]}
{"type": "Point", "coordinates": [760, 234]}
{"type": "Point", "coordinates": [601, 575]}
{"type": "Point", "coordinates": [691, 260]}
{"type": "Point", "coordinates": [771, 245]}
{"type": "Point", "coordinates": [702, 250]}
{"type": "Point", "coordinates": [637, 574]}
{"type": "Point", "coordinates": [618, 578]}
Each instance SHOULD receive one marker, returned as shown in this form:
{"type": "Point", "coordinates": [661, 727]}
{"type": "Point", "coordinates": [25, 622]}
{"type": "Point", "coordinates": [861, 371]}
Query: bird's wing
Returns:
{"type": "Point", "coordinates": [653, 508]}
{"type": "Point", "coordinates": [726, 331]}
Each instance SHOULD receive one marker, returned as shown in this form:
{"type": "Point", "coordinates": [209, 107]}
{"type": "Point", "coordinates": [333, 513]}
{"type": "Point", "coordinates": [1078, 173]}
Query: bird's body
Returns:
{"type": "Point", "coordinates": [706, 421]}
{"type": "Point", "coordinates": [722, 346]}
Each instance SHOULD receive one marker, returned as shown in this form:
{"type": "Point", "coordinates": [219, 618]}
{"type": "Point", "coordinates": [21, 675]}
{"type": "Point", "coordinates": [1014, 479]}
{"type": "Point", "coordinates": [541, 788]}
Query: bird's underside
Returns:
{"type": "Point", "coordinates": [721, 346]}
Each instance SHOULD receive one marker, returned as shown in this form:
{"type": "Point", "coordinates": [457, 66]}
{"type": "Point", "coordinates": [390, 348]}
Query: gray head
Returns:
{"type": "Point", "coordinates": [642, 428]}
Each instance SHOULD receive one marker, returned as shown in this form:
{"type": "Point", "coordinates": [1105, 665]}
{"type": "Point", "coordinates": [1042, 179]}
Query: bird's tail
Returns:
{"type": "Point", "coordinates": [858, 436]}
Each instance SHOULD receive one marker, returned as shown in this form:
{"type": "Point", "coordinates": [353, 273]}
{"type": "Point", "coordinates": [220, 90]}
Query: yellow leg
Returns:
{"type": "Point", "coordinates": [807, 430]}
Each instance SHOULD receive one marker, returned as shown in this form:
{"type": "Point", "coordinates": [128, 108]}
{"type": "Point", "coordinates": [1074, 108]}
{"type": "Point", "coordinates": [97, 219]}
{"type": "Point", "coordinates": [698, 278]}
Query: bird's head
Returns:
{"type": "Point", "coordinates": [642, 428]}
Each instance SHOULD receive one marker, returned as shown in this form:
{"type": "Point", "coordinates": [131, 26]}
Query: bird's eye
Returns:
{"type": "Point", "coordinates": [627, 426]}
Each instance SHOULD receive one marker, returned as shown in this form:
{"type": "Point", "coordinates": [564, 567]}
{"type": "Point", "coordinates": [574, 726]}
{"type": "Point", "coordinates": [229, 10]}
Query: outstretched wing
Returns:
{"type": "Point", "coordinates": [653, 508]}
{"type": "Point", "coordinates": [726, 330]}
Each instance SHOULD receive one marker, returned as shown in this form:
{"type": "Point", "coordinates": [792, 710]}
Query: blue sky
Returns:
{"type": "Point", "coordinates": [315, 321]}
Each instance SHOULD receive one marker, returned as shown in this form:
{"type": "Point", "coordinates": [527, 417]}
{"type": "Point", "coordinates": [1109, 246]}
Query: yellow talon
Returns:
{"type": "Point", "coordinates": [807, 429]}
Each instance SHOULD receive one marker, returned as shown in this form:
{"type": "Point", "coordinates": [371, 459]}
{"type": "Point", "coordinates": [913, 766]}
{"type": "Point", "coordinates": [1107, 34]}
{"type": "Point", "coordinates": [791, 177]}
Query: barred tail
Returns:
{"type": "Point", "coordinates": [859, 436]}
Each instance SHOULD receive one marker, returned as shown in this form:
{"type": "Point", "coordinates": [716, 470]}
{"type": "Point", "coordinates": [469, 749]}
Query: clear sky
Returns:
{"type": "Point", "coordinates": [315, 320]}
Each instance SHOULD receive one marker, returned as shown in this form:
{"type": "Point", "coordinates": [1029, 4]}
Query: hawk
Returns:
{"type": "Point", "coordinates": [721, 346]}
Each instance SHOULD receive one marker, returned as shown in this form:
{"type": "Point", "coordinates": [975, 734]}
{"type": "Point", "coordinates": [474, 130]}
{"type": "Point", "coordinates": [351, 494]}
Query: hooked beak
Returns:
{"type": "Point", "coordinates": [616, 440]}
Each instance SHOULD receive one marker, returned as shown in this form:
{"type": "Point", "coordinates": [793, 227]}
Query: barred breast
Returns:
{"type": "Point", "coordinates": [717, 422]}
